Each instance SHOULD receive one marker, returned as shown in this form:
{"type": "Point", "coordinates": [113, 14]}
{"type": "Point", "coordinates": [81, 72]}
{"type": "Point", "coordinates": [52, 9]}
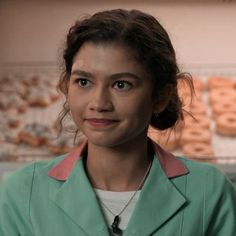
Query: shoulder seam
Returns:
{"type": "Point", "coordinates": [31, 190]}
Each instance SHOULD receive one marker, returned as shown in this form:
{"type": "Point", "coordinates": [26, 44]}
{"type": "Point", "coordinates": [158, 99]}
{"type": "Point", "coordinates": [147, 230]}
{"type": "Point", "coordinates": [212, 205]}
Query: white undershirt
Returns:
{"type": "Point", "coordinates": [116, 201]}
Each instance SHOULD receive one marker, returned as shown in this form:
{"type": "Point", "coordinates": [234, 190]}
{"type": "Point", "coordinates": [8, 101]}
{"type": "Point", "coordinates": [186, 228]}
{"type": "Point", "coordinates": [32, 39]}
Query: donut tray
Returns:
{"type": "Point", "coordinates": [224, 147]}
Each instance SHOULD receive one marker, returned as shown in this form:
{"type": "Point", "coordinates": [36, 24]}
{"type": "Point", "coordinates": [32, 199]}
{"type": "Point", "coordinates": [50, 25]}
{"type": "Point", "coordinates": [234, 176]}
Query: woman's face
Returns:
{"type": "Point", "coordinates": [110, 95]}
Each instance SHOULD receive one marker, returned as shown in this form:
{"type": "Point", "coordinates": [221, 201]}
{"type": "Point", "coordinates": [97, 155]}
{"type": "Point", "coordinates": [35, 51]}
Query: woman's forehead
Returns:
{"type": "Point", "coordinates": [112, 57]}
{"type": "Point", "coordinates": [120, 48]}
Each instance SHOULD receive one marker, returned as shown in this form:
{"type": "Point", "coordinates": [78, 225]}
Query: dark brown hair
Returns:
{"type": "Point", "coordinates": [152, 48]}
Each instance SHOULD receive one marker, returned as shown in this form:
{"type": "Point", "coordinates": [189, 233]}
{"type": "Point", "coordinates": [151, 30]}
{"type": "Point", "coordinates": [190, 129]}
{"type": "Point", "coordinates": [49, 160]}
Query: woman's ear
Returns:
{"type": "Point", "coordinates": [162, 99]}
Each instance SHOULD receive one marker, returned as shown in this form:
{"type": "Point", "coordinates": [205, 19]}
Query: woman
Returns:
{"type": "Point", "coordinates": [120, 77]}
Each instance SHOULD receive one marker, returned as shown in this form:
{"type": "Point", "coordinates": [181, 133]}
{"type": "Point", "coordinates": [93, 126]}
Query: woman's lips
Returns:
{"type": "Point", "coordinates": [101, 122]}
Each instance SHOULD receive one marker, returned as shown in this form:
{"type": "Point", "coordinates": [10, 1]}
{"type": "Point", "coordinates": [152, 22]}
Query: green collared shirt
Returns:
{"type": "Point", "coordinates": [195, 199]}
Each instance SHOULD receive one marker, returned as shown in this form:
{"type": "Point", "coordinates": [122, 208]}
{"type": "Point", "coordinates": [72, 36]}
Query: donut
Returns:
{"type": "Point", "coordinates": [16, 102]}
{"type": "Point", "coordinates": [169, 139]}
{"type": "Point", "coordinates": [38, 98]}
{"type": "Point", "coordinates": [220, 82]}
{"type": "Point", "coordinates": [217, 95]}
{"type": "Point", "coordinates": [8, 152]}
{"type": "Point", "coordinates": [187, 98]}
{"type": "Point", "coordinates": [13, 85]}
{"type": "Point", "coordinates": [32, 80]}
{"type": "Point", "coordinates": [34, 134]}
{"type": "Point", "coordinates": [54, 95]}
{"type": "Point", "coordinates": [62, 144]}
{"type": "Point", "coordinates": [185, 93]}
{"type": "Point", "coordinates": [196, 108]}
{"type": "Point", "coordinates": [225, 106]}
{"type": "Point", "coordinates": [190, 135]}
{"type": "Point", "coordinates": [12, 118]}
{"type": "Point", "coordinates": [8, 156]}
{"type": "Point", "coordinates": [226, 124]}
{"type": "Point", "coordinates": [182, 86]}
{"type": "Point", "coordinates": [49, 89]}
{"type": "Point", "coordinates": [4, 101]}
{"type": "Point", "coordinates": [2, 137]}
{"type": "Point", "coordinates": [198, 151]}
{"type": "Point", "coordinates": [9, 136]}
{"type": "Point", "coordinates": [200, 121]}
{"type": "Point", "coordinates": [198, 84]}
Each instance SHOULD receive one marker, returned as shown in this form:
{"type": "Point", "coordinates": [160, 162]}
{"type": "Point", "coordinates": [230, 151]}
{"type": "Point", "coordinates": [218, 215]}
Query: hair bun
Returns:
{"type": "Point", "coordinates": [169, 116]}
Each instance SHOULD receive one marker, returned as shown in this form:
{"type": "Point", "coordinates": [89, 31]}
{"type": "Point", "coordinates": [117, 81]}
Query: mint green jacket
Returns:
{"type": "Point", "coordinates": [180, 198]}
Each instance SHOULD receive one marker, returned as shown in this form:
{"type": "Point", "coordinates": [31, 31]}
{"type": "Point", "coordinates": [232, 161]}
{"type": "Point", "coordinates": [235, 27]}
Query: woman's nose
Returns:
{"type": "Point", "coordinates": [100, 100]}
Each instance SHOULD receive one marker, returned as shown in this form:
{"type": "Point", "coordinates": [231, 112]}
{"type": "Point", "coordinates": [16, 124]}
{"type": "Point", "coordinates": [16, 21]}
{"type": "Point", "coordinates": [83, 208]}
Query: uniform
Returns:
{"type": "Point", "coordinates": [180, 197]}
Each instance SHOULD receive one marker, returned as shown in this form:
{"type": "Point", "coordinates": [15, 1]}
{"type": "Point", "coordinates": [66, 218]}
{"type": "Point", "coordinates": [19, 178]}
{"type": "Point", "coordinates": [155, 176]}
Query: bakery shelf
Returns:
{"type": "Point", "coordinates": [224, 147]}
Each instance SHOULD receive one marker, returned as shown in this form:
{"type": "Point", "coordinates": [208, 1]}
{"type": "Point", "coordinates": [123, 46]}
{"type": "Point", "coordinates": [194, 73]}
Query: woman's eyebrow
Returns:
{"type": "Point", "coordinates": [82, 73]}
{"type": "Point", "coordinates": [113, 76]}
{"type": "Point", "coordinates": [124, 74]}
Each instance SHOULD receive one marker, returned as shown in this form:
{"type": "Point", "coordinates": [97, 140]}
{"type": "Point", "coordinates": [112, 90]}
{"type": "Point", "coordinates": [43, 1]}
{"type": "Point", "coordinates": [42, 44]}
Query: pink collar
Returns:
{"type": "Point", "coordinates": [169, 163]}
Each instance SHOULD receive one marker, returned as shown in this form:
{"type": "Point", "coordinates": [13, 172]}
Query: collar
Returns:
{"type": "Point", "coordinates": [171, 166]}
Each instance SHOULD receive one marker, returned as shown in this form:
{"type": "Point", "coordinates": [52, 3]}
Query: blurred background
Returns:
{"type": "Point", "coordinates": [31, 42]}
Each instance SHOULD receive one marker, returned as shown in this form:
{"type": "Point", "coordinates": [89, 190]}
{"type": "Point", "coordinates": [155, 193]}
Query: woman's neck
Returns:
{"type": "Point", "coordinates": [117, 169]}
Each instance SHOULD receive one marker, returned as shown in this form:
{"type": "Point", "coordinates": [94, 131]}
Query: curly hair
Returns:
{"type": "Point", "coordinates": [151, 45]}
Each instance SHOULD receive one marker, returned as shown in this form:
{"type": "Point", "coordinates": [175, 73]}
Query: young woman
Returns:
{"type": "Point", "coordinates": [120, 77]}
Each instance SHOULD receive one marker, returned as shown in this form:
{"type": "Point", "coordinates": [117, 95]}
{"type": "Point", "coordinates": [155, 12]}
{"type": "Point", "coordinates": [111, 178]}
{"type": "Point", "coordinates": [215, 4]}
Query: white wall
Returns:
{"type": "Point", "coordinates": [201, 32]}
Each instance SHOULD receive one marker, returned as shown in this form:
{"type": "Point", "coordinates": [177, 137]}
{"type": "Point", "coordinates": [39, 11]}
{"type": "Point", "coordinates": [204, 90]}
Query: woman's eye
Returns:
{"type": "Point", "coordinates": [122, 85]}
{"type": "Point", "coordinates": [83, 82]}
